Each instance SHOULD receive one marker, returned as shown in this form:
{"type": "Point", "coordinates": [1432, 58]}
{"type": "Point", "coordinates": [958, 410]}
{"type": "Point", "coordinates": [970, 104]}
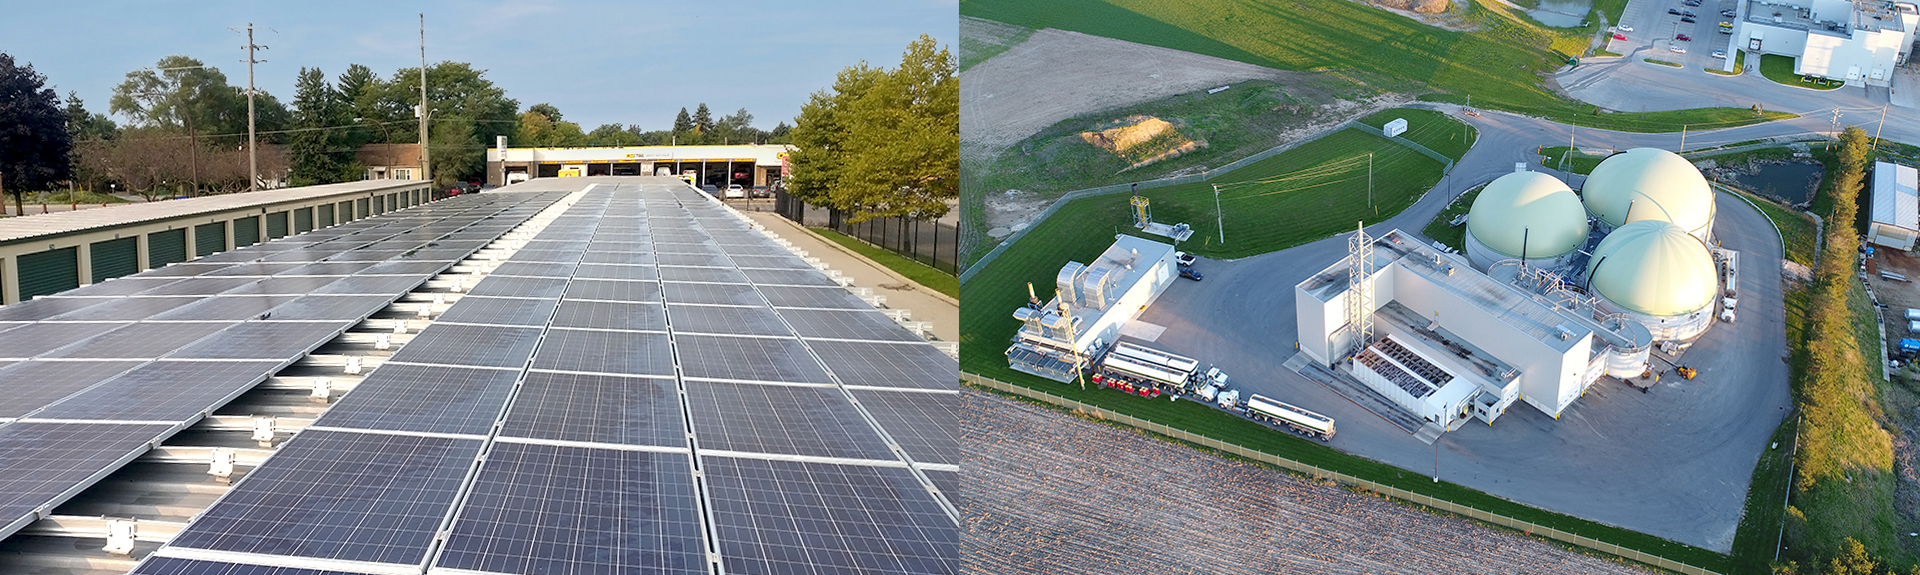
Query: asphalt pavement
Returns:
{"type": "Point", "coordinates": [1674, 462]}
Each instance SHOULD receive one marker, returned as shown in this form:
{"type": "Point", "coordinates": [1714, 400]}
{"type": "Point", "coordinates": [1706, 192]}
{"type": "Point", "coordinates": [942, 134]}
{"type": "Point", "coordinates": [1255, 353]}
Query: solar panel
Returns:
{"type": "Point", "coordinates": [137, 341]}
{"type": "Point", "coordinates": [406, 267]}
{"type": "Point", "coordinates": [568, 510]}
{"type": "Point", "coordinates": [670, 245]}
{"type": "Point", "coordinates": [610, 315]}
{"type": "Point", "coordinates": [868, 324]}
{"type": "Point", "coordinates": [46, 307]}
{"type": "Point", "coordinates": [486, 346]}
{"type": "Point", "coordinates": [328, 269]}
{"type": "Point", "coordinates": [788, 419]}
{"type": "Point", "coordinates": [127, 308]}
{"type": "Point", "coordinates": [597, 409]}
{"type": "Point", "coordinates": [431, 399]}
{"type": "Point", "coordinates": [183, 269]}
{"type": "Point", "coordinates": [926, 425]}
{"type": "Point", "coordinates": [617, 272]}
{"type": "Point", "coordinates": [335, 307]}
{"type": "Point", "coordinates": [802, 517]}
{"type": "Point", "coordinates": [832, 297]}
{"type": "Point", "coordinates": [605, 352]}
{"type": "Point", "coordinates": [200, 286]}
{"type": "Point", "coordinates": [384, 285]}
{"type": "Point", "coordinates": [520, 287]}
{"type": "Point", "coordinates": [714, 275]}
{"type": "Point", "coordinates": [500, 311]}
{"type": "Point", "coordinates": [747, 358]}
{"type": "Point", "coordinates": [176, 566]}
{"type": "Point", "coordinates": [52, 380]}
{"type": "Point", "coordinates": [708, 260]}
{"type": "Point", "coordinates": [789, 277]}
{"type": "Point", "coordinates": [381, 504]}
{"type": "Point", "coordinates": [888, 364]}
{"type": "Point", "coordinates": [120, 286]}
{"type": "Point", "coordinates": [287, 285]}
{"type": "Point", "coordinates": [532, 254]}
{"type": "Point", "coordinates": [64, 456]}
{"type": "Point", "coordinates": [774, 262]}
{"type": "Point", "coordinates": [276, 340]}
{"type": "Point", "coordinates": [948, 482]}
{"type": "Point", "coordinates": [251, 269]}
{"type": "Point", "coordinates": [534, 269]}
{"type": "Point", "coordinates": [163, 391]}
{"type": "Point", "coordinates": [736, 294]}
{"type": "Point", "coordinates": [619, 255]}
{"type": "Point", "coordinates": [726, 320]}
{"type": "Point", "coordinates": [612, 290]}
{"type": "Point", "coordinates": [233, 308]}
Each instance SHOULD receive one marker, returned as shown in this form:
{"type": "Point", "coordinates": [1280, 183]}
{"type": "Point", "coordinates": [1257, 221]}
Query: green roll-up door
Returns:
{"type": "Point", "coordinates": [51, 271]}
{"type": "Point", "coordinates": [114, 258]}
{"type": "Point", "coordinates": [276, 225]}
{"type": "Point", "coordinates": [166, 247]}
{"type": "Point", "coordinates": [209, 239]}
{"type": "Point", "coordinates": [303, 220]}
{"type": "Point", "coordinates": [346, 211]}
{"type": "Point", "coordinates": [393, 202]}
{"type": "Point", "coordinates": [361, 206]}
{"type": "Point", "coordinates": [326, 215]}
{"type": "Point", "coordinates": [246, 231]}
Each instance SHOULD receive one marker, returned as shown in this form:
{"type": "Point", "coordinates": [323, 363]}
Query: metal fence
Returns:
{"type": "Point", "coordinates": [930, 242]}
{"type": "Point", "coordinates": [1317, 472]}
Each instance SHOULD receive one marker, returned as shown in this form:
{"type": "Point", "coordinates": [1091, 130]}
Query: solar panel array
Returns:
{"type": "Point", "coordinates": [654, 411]}
{"type": "Point", "coordinates": [92, 377]}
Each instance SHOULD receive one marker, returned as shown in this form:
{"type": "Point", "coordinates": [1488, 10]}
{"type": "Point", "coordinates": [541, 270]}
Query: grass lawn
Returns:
{"type": "Point", "coordinates": [1796, 229]}
{"type": "Point", "coordinates": [1435, 130]}
{"type": "Point", "coordinates": [82, 196]}
{"type": "Point", "coordinates": [920, 273]}
{"type": "Point", "coordinates": [1760, 524]}
{"type": "Point", "coordinates": [1453, 236]}
{"type": "Point", "coordinates": [1862, 507]}
{"type": "Point", "coordinates": [985, 39]}
{"type": "Point", "coordinates": [1576, 162]}
{"type": "Point", "coordinates": [1661, 62]}
{"type": "Point", "coordinates": [1499, 66]}
{"type": "Point", "coordinates": [1739, 65]}
{"type": "Point", "coordinates": [1780, 69]}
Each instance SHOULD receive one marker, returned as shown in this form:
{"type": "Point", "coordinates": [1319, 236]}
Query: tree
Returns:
{"type": "Point", "coordinates": [85, 128]}
{"type": "Point", "coordinates": [34, 142]}
{"type": "Point", "coordinates": [703, 119]}
{"type": "Point", "coordinates": [1852, 560]}
{"type": "Point", "coordinates": [180, 93]}
{"type": "Point", "coordinates": [459, 95]}
{"type": "Point", "coordinates": [318, 154]}
{"type": "Point", "coordinates": [547, 110]}
{"type": "Point", "coordinates": [613, 135]}
{"type": "Point", "coordinates": [682, 123]}
{"type": "Point", "coordinates": [883, 143]}
{"type": "Point", "coordinates": [780, 134]}
{"type": "Point", "coordinates": [539, 130]}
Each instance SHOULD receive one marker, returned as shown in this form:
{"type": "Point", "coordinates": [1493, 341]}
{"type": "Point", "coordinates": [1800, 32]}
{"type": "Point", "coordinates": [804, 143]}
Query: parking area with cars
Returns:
{"type": "Point", "coordinates": [1692, 33]}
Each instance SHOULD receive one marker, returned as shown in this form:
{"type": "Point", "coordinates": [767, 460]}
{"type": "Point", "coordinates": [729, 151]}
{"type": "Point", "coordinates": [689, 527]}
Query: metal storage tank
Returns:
{"type": "Point", "coordinates": [1657, 274]}
{"type": "Point", "coordinates": [1652, 184]}
{"type": "Point", "coordinates": [1526, 214]}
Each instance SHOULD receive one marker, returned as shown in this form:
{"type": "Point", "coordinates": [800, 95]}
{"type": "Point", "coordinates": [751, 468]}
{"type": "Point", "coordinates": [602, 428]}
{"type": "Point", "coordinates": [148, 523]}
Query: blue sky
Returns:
{"type": "Point", "coordinates": [597, 61]}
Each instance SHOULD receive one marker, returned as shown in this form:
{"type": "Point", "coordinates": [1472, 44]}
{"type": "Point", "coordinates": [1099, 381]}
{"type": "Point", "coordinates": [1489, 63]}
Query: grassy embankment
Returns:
{"type": "Point", "coordinates": [1498, 66]}
{"type": "Point", "coordinates": [986, 38]}
{"type": "Point", "coordinates": [920, 273]}
{"type": "Point", "coordinates": [1780, 69]}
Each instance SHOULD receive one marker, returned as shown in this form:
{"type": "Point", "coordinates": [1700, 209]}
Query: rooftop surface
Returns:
{"type": "Point", "coordinates": [1896, 195]}
{"type": "Point", "coordinates": [16, 229]}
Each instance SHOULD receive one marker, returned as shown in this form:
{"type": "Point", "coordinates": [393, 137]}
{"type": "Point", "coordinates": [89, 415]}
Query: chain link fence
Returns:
{"type": "Point", "coordinates": [932, 242]}
{"type": "Point", "coordinates": [1319, 473]}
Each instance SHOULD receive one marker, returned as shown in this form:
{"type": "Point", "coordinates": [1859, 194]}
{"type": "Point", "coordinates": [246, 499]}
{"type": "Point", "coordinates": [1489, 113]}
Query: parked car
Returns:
{"type": "Point", "coordinates": [1190, 273]}
{"type": "Point", "coordinates": [1686, 13]}
{"type": "Point", "coordinates": [1683, 37]}
{"type": "Point", "coordinates": [1688, 19]}
{"type": "Point", "coordinates": [1623, 28]}
{"type": "Point", "coordinates": [1692, 2]}
{"type": "Point", "coordinates": [1673, 11]}
{"type": "Point", "coordinates": [1183, 258]}
{"type": "Point", "coordinates": [761, 192]}
{"type": "Point", "coordinates": [1720, 54]}
{"type": "Point", "coordinates": [1726, 25]}
{"type": "Point", "coordinates": [1619, 36]}
{"type": "Point", "coordinates": [734, 191]}
{"type": "Point", "coordinates": [1728, 13]}
{"type": "Point", "coordinates": [1727, 31]}
{"type": "Point", "coordinates": [1677, 49]}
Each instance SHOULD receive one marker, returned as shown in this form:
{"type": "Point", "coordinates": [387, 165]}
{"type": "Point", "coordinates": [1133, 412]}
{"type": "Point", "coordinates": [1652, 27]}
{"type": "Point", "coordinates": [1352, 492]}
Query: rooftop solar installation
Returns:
{"type": "Point", "coordinates": [643, 387]}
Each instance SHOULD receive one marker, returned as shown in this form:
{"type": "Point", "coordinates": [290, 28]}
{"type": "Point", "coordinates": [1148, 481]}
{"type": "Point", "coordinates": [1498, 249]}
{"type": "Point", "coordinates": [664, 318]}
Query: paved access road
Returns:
{"type": "Point", "coordinates": [1674, 462]}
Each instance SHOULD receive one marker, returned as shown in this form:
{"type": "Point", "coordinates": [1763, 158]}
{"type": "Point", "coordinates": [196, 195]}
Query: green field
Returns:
{"type": "Point", "coordinates": [1797, 230]}
{"type": "Point", "coordinates": [1780, 69]}
{"type": "Point", "coordinates": [1575, 162]}
{"type": "Point", "coordinates": [920, 273]}
{"type": "Point", "coordinates": [1453, 236]}
{"type": "Point", "coordinates": [1499, 66]}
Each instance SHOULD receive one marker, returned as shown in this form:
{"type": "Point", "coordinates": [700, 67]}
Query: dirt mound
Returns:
{"type": "Point", "coordinates": [1417, 6]}
{"type": "Point", "coordinates": [1142, 140]}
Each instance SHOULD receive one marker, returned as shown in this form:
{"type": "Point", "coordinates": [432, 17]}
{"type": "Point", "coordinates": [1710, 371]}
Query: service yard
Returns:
{"type": "Point", "coordinates": [1672, 462]}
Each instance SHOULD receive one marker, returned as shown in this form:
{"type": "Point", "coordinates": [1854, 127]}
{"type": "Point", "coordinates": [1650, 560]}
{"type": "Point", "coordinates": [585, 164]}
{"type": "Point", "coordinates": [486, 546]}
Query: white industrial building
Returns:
{"type": "Point", "coordinates": [1091, 303]}
{"type": "Point", "coordinates": [746, 165]}
{"type": "Point", "coordinates": [1859, 41]}
{"type": "Point", "coordinates": [1896, 206]}
{"type": "Point", "coordinates": [1526, 215]}
{"type": "Point", "coordinates": [1450, 343]}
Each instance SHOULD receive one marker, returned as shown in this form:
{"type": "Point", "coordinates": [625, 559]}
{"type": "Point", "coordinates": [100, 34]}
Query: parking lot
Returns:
{"type": "Point", "coordinates": [1673, 462]}
{"type": "Point", "coordinates": [1655, 31]}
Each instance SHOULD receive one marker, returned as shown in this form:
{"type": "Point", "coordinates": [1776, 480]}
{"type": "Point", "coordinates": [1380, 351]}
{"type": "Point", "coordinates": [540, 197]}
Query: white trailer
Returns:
{"type": "Point", "coordinates": [1299, 420]}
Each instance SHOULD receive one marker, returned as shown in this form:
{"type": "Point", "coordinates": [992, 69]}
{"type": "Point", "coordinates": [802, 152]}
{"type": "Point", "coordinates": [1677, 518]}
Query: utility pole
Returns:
{"type": "Point", "coordinates": [1683, 139]}
{"type": "Point", "coordinates": [1836, 122]}
{"type": "Point", "coordinates": [426, 166]}
{"type": "Point", "coordinates": [253, 157]}
{"type": "Point", "coordinates": [1220, 218]}
{"type": "Point", "coordinates": [1369, 179]}
{"type": "Point", "coordinates": [1882, 126]}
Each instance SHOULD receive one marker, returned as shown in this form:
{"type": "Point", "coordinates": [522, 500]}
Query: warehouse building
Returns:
{"type": "Point", "coordinates": [1858, 41]}
{"type": "Point", "coordinates": [49, 253]}
{"type": "Point", "coordinates": [1896, 206]}
{"type": "Point", "coordinates": [1450, 343]}
{"type": "Point", "coordinates": [1091, 304]}
{"type": "Point", "coordinates": [746, 165]}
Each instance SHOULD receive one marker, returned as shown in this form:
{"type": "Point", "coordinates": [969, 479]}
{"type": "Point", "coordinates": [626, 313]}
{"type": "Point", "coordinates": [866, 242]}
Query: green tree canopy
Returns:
{"type": "Point", "coordinates": [34, 142]}
{"type": "Point", "coordinates": [320, 152]}
{"type": "Point", "coordinates": [883, 143]}
{"type": "Point", "coordinates": [682, 123]}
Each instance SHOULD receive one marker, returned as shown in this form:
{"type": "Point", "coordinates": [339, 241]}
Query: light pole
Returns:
{"type": "Point", "coordinates": [1220, 218]}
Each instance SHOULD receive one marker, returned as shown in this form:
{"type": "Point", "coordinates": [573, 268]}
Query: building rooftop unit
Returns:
{"type": "Point", "coordinates": [1831, 17]}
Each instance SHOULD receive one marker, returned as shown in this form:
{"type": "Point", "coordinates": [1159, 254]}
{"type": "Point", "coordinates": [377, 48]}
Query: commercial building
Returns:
{"type": "Point", "coordinates": [746, 165]}
{"type": "Point", "coordinates": [1858, 41]}
{"type": "Point", "coordinates": [1896, 206]}
{"type": "Point", "coordinates": [1091, 303]}
{"type": "Point", "coordinates": [1450, 343]}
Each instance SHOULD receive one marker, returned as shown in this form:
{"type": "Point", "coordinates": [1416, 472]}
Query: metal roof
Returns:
{"type": "Point", "coordinates": [1896, 195]}
{"type": "Point", "coordinates": [24, 228]}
